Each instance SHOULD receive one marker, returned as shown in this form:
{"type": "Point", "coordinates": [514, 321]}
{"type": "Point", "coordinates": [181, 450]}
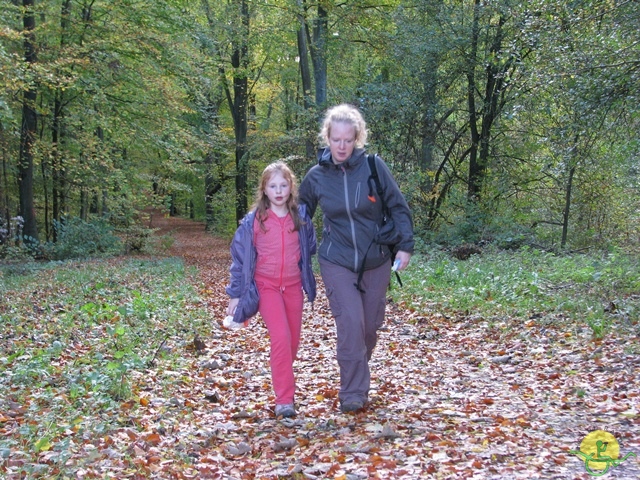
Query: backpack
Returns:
{"type": "Point", "coordinates": [387, 234]}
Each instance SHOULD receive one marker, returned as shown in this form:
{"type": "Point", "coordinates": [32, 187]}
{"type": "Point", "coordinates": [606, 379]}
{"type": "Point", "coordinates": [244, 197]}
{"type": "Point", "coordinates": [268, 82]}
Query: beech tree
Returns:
{"type": "Point", "coordinates": [583, 70]}
{"type": "Point", "coordinates": [237, 91]}
{"type": "Point", "coordinates": [28, 128]}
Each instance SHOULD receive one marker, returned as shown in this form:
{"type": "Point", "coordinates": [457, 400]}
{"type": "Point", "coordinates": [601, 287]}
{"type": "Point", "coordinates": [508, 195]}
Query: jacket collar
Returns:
{"type": "Point", "coordinates": [324, 158]}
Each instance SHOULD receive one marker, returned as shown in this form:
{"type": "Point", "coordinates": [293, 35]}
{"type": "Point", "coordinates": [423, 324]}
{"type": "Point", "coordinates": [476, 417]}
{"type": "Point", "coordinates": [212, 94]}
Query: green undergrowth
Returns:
{"type": "Point", "coordinates": [78, 340]}
{"type": "Point", "coordinates": [599, 291]}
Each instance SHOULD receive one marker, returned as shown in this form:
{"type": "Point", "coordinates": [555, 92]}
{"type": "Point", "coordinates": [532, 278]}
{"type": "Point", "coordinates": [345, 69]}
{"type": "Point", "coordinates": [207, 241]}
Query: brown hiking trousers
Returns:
{"type": "Point", "coordinates": [358, 316]}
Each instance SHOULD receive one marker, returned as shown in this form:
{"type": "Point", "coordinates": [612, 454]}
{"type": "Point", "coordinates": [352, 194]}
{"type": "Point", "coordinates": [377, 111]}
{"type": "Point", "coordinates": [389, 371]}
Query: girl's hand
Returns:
{"type": "Point", "coordinates": [233, 303]}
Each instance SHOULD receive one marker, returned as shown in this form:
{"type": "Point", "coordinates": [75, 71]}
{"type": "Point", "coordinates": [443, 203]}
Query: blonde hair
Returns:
{"type": "Point", "coordinates": [262, 203]}
{"type": "Point", "coordinates": [347, 114]}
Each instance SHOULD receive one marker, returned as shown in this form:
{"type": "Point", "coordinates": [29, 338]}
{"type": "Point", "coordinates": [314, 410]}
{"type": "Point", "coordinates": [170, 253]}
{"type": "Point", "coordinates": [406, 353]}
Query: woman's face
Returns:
{"type": "Point", "coordinates": [342, 140]}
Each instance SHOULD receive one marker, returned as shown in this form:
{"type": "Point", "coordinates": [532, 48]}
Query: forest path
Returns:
{"type": "Point", "coordinates": [453, 395]}
{"type": "Point", "coordinates": [209, 254]}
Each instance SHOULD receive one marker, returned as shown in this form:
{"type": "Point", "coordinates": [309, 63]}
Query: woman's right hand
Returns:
{"type": "Point", "coordinates": [233, 303]}
{"type": "Point", "coordinates": [404, 258]}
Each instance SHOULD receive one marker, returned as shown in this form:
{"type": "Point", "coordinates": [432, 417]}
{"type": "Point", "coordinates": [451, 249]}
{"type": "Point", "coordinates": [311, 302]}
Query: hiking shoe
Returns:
{"type": "Point", "coordinates": [352, 406]}
{"type": "Point", "coordinates": [286, 410]}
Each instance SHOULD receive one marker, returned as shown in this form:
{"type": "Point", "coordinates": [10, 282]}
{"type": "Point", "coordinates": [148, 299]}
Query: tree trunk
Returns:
{"type": "Point", "coordinates": [429, 120]}
{"type": "Point", "coordinates": [318, 50]}
{"type": "Point", "coordinates": [57, 133]}
{"type": "Point", "coordinates": [305, 75]}
{"type": "Point", "coordinates": [28, 132]}
{"type": "Point", "coordinates": [491, 104]}
{"type": "Point", "coordinates": [240, 64]}
{"type": "Point", "coordinates": [430, 102]}
{"type": "Point", "coordinates": [4, 189]}
{"type": "Point", "coordinates": [105, 203]}
{"type": "Point", "coordinates": [567, 194]}
{"type": "Point", "coordinates": [493, 92]}
{"type": "Point", "coordinates": [474, 181]}
{"type": "Point", "coordinates": [212, 178]}
{"type": "Point", "coordinates": [94, 206]}
{"type": "Point", "coordinates": [84, 204]}
{"type": "Point", "coordinates": [237, 102]}
{"type": "Point", "coordinates": [45, 194]}
{"type": "Point", "coordinates": [567, 207]}
{"type": "Point", "coordinates": [212, 185]}
{"type": "Point", "coordinates": [56, 161]}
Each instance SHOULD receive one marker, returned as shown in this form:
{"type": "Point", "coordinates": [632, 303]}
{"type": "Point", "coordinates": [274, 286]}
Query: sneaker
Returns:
{"type": "Point", "coordinates": [286, 410]}
{"type": "Point", "coordinates": [352, 406]}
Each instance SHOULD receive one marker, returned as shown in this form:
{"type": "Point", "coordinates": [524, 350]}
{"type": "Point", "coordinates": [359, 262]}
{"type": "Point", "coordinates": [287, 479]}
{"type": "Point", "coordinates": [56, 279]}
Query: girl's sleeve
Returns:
{"type": "Point", "coordinates": [237, 255]}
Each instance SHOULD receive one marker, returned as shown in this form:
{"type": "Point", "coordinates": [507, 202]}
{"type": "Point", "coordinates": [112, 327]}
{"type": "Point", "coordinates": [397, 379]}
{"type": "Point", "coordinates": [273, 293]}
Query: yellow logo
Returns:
{"type": "Point", "coordinates": [600, 452]}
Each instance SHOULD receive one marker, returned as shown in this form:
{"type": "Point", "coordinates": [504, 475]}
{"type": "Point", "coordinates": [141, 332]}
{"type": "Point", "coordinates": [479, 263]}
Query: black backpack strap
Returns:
{"type": "Point", "coordinates": [361, 269]}
{"type": "Point", "coordinates": [371, 159]}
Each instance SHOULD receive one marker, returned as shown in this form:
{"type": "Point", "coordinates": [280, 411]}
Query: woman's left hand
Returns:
{"type": "Point", "coordinates": [404, 257]}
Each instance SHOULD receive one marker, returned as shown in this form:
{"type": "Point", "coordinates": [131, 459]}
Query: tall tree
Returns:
{"type": "Point", "coordinates": [318, 48]}
{"type": "Point", "coordinates": [28, 129]}
{"type": "Point", "coordinates": [240, 103]}
{"type": "Point", "coordinates": [58, 193]}
{"type": "Point", "coordinates": [214, 172]}
{"type": "Point", "coordinates": [316, 29]}
{"type": "Point", "coordinates": [238, 93]}
{"type": "Point", "coordinates": [483, 114]}
{"type": "Point", "coordinates": [305, 73]}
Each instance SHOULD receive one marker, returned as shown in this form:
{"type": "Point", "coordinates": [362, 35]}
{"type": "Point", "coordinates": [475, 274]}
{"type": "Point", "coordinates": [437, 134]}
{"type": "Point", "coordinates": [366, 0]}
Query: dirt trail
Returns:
{"type": "Point", "coordinates": [190, 238]}
{"type": "Point", "coordinates": [453, 396]}
{"type": "Point", "coordinates": [199, 249]}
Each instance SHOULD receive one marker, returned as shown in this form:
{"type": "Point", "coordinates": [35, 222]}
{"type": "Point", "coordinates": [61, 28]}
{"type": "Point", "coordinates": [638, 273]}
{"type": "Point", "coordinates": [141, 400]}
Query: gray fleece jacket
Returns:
{"type": "Point", "coordinates": [350, 218]}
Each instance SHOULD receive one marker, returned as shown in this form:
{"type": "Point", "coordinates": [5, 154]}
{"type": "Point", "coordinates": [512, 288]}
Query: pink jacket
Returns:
{"type": "Point", "coordinates": [278, 249]}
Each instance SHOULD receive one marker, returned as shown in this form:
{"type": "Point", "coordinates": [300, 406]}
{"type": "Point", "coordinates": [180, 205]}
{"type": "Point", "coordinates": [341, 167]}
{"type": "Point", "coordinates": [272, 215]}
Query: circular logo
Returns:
{"type": "Point", "coordinates": [599, 445]}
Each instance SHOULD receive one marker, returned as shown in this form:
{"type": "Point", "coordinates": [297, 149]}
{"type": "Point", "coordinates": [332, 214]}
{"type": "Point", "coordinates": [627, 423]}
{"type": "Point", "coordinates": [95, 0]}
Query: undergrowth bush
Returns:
{"type": "Point", "coordinates": [600, 291]}
{"type": "Point", "coordinates": [79, 239]}
{"type": "Point", "coordinates": [136, 238]}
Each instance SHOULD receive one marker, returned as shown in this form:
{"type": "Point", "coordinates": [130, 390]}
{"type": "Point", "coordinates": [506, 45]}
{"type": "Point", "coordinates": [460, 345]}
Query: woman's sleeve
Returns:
{"type": "Point", "coordinates": [313, 242]}
{"type": "Point", "coordinates": [306, 194]}
{"type": "Point", "coordinates": [398, 206]}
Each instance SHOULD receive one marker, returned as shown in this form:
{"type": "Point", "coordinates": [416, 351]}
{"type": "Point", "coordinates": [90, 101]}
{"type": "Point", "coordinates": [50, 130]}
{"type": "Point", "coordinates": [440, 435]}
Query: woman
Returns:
{"type": "Point", "coordinates": [339, 184]}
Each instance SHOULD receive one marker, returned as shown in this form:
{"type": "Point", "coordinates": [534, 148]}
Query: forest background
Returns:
{"type": "Point", "coordinates": [512, 129]}
{"type": "Point", "coordinates": [510, 122]}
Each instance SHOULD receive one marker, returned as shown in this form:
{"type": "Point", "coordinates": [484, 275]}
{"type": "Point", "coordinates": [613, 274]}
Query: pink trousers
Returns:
{"type": "Point", "coordinates": [281, 310]}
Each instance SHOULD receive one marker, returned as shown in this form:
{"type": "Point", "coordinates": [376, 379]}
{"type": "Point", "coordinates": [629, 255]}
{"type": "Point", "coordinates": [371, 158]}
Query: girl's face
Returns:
{"type": "Point", "coordinates": [342, 141]}
{"type": "Point", "coordinates": [277, 190]}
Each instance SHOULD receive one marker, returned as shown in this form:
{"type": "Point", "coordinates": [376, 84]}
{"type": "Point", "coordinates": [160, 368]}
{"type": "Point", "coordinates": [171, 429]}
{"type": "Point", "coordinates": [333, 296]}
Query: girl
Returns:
{"type": "Point", "coordinates": [271, 266]}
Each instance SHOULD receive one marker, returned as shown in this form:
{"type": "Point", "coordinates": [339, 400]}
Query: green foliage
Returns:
{"type": "Point", "coordinates": [163, 243]}
{"type": "Point", "coordinates": [79, 339]}
{"type": "Point", "coordinates": [136, 238]}
{"type": "Point", "coordinates": [146, 118]}
{"type": "Point", "coordinates": [80, 239]}
{"type": "Point", "coordinates": [15, 254]}
{"type": "Point", "coordinates": [473, 223]}
{"type": "Point", "coordinates": [599, 291]}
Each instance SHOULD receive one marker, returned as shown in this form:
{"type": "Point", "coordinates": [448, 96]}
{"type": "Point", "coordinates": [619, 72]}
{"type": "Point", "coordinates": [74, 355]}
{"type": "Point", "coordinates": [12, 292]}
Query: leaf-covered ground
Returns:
{"type": "Point", "coordinates": [454, 397]}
